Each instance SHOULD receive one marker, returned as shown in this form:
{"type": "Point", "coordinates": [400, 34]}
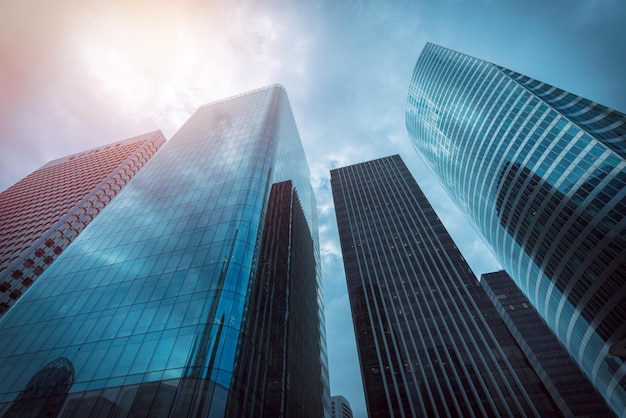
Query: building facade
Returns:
{"type": "Point", "coordinates": [429, 340]}
{"type": "Point", "coordinates": [541, 173]}
{"type": "Point", "coordinates": [193, 292]}
{"type": "Point", "coordinates": [41, 214]}
{"type": "Point", "coordinates": [560, 374]}
{"type": "Point", "coordinates": [340, 407]}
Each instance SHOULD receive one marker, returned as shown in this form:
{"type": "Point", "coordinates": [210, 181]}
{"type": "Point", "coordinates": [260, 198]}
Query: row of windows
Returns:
{"type": "Point", "coordinates": [76, 223]}
{"type": "Point", "coordinates": [115, 283]}
{"type": "Point", "coordinates": [516, 126]}
{"type": "Point", "coordinates": [399, 291]}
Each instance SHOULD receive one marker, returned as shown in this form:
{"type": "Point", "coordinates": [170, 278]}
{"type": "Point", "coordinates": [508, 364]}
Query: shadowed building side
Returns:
{"type": "Point", "coordinates": [276, 372]}
{"type": "Point", "coordinates": [567, 384]}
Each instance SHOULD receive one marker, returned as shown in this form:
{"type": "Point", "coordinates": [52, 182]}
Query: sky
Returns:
{"type": "Point", "coordinates": [76, 74]}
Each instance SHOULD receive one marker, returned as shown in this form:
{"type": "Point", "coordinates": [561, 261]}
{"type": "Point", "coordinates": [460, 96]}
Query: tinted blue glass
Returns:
{"type": "Point", "coordinates": [156, 287]}
{"type": "Point", "coordinates": [541, 174]}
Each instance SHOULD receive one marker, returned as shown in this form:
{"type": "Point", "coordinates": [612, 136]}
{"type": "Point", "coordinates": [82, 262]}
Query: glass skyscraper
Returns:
{"type": "Point", "coordinates": [195, 292]}
{"type": "Point", "coordinates": [430, 342]}
{"type": "Point", "coordinates": [541, 173]}
{"type": "Point", "coordinates": [42, 214]}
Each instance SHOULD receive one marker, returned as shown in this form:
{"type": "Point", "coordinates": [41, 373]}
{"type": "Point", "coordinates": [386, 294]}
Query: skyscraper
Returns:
{"type": "Point", "coordinates": [541, 173]}
{"type": "Point", "coordinates": [340, 407]}
{"type": "Point", "coordinates": [570, 388]}
{"type": "Point", "coordinates": [196, 292]}
{"type": "Point", "coordinates": [430, 342]}
{"type": "Point", "coordinates": [41, 214]}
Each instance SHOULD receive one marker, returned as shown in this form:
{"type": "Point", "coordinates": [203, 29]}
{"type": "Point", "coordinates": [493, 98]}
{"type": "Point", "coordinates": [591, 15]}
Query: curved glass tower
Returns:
{"type": "Point", "coordinates": [541, 173]}
{"type": "Point", "coordinates": [195, 292]}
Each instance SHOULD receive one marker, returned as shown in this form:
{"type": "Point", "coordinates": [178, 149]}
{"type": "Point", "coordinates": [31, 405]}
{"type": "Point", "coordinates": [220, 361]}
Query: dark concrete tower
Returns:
{"type": "Point", "coordinates": [567, 384]}
{"type": "Point", "coordinates": [430, 342]}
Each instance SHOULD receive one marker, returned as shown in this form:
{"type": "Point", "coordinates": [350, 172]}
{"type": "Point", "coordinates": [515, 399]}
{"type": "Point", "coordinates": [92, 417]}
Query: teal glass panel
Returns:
{"type": "Point", "coordinates": [541, 175]}
{"type": "Point", "coordinates": [152, 297]}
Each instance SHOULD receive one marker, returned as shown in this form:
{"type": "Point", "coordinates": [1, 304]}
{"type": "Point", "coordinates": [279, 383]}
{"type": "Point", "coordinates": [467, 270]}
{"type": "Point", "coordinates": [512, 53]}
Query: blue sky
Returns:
{"type": "Point", "coordinates": [78, 74]}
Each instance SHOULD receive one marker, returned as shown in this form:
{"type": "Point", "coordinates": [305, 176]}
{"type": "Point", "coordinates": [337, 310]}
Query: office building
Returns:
{"type": "Point", "coordinates": [430, 342]}
{"type": "Point", "coordinates": [41, 214]}
{"type": "Point", "coordinates": [568, 386]}
{"type": "Point", "coordinates": [340, 407]}
{"type": "Point", "coordinates": [541, 174]}
{"type": "Point", "coordinates": [195, 292]}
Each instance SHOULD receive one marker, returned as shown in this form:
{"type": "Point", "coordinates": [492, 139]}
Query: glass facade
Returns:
{"type": "Point", "coordinates": [542, 176]}
{"type": "Point", "coordinates": [430, 342]}
{"type": "Point", "coordinates": [152, 308]}
{"type": "Point", "coordinates": [43, 213]}
{"type": "Point", "coordinates": [569, 387]}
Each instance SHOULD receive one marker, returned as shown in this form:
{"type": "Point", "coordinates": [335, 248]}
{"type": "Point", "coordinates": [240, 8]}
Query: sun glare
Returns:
{"type": "Point", "coordinates": [138, 66]}
{"type": "Point", "coordinates": [116, 76]}
{"type": "Point", "coordinates": [177, 59]}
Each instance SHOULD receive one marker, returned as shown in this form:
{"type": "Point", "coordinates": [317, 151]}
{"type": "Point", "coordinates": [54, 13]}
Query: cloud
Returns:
{"type": "Point", "coordinates": [77, 74]}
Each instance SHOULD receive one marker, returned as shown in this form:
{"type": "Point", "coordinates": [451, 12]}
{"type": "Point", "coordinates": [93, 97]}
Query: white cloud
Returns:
{"type": "Point", "coordinates": [76, 74]}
